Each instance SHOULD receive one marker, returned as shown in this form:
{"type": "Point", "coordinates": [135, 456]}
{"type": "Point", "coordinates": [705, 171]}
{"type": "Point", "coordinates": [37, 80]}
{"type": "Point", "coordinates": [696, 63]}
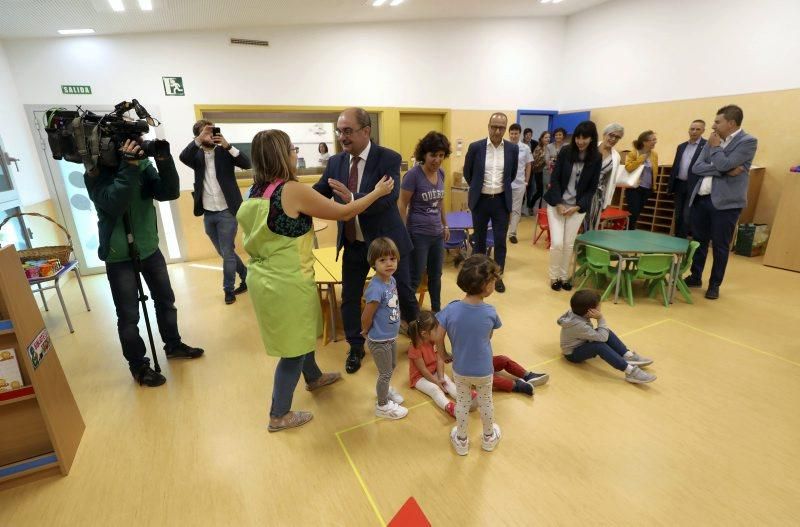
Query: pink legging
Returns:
{"type": "Point", "coordinates": [503, 363]}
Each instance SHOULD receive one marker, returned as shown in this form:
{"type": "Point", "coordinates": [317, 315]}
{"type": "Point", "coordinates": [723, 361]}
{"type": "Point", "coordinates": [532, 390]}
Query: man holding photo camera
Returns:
{"type": "Point", "coordinates": [125, 194]}
{"type": "Point", "coordinates": [217, 197]}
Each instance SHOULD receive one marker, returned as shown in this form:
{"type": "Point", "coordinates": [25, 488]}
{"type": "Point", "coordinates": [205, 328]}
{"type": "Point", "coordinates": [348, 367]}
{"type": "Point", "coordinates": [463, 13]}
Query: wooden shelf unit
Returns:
{"type": "Point", "coordinates": [42, 426]}
{"type": "Point", "coordinates": [658, 214]}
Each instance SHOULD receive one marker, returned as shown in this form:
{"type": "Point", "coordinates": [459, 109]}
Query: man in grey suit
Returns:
{"type": "Point", "coordinates": [720, 194]}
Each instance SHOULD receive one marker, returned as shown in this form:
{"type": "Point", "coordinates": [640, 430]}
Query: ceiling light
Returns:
{"type": "Point", "coordinates": [557, 1]}
{"type": "Point", "coordinates": [545, 1]}
{"type": "Point", "coordinates": [75, 31]}
{"type": "Point", "coordinates": [395, 2]}
{"type": "Point", "coordinates": [378, 3]}
{"type": "Point", "coordinates": [146, 5]}
{"type": "Point", "coordinates": [117, 5]}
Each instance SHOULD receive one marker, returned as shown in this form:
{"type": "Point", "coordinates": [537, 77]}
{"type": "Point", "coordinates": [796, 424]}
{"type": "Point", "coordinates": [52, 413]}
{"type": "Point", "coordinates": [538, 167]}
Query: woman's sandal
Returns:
{"type": "Point", "coordinates": [324, 380]}
{"type": "Point", "coordinates": [290, 420]}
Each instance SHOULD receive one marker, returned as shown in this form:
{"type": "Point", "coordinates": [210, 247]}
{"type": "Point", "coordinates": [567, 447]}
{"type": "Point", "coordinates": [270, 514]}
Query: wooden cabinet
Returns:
{"type": "Point", "coordinates": [783, 249]}
{"type": "Point", "coordinates": [41, 424]}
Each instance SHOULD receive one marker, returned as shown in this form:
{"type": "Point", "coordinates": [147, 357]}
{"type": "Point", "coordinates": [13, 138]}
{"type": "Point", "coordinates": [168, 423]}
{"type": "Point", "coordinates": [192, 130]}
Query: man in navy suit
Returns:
{"type": "Point", "coordinates": [349, 175]}
{"type": "Point", "coordinates": [720, 194]}
{"type": "Point", "coordinates": [682, 179]}
{"type": "Point", "coordinates": [489, 168]}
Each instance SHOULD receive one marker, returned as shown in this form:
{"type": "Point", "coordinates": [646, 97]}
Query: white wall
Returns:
{"type": "Point", "coordinates": [450, 64]}
{"type": "Point", "coordinates": [636, 51]}
{"type": "Point", "coordinates": [18, 140]}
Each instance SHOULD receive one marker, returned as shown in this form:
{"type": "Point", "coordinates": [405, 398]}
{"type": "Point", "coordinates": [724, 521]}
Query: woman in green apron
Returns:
{"type": "Point", "coordinates": [278, 236]}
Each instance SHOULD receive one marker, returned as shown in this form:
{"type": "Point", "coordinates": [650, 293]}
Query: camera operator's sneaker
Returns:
{"type": "Point", "coordinates": [146, 376]}
{"type": "Point", "coordinates": [182, 351]}
{"type": "Point", "coordinates": [637, 360]}
{"type": "Point", "coordinates": [639, 376]}
{"type": "Point", "coordinates": [394, 396]}
{"type": "Point", "coordinates": [489, 443]}
{"type": "Point", "coordinates": [461, 446]}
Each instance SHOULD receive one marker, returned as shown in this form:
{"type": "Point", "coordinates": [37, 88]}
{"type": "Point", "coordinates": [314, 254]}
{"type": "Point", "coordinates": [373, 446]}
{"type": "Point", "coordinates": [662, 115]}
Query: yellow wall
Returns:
{"type": "Point", "coordinates": [770, 116]}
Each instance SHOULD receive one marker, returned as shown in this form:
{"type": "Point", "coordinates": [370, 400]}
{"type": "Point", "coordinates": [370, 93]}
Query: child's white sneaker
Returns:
{"type": "Point", "coordinates": [489, 444]}
{"type": "Point", "coordinates": [639, 376]}
{"type": "Point", "coordinates": [395, 396]}
{"type": "Point", "coordinates": [633, 358]}
{"type": "Point", "coordinates": [461, 446]}
{"type": "Point", "coordinates": [391, 410]}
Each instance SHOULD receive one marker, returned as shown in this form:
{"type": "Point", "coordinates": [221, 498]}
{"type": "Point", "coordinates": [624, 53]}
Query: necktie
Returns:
{"type": "Point", "coordinates": [352, 184]}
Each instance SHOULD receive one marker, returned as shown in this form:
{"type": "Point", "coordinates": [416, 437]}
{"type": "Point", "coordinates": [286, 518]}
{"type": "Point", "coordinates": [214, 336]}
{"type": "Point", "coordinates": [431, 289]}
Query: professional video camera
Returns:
{"type": "Point", "coordinates": [81, 136]}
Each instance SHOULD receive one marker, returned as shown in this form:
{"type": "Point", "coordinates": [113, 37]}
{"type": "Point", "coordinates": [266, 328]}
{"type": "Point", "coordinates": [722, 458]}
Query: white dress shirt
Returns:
{"type": "Point", "coordinates": [708, 181]}
{"type": "Point", "coordinates": [495, 164]}
{"type": "Point", "coordinates": [213, 198]}
{"type": "Point", "coordinates": [361, 164]}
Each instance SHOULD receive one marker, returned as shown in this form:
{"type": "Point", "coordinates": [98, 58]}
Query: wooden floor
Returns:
{"type": "Point", "coordinates": [714, 441]}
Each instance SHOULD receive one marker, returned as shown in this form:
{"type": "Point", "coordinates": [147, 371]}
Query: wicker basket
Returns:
{"type": "Point", "coordinates": [58, 252]}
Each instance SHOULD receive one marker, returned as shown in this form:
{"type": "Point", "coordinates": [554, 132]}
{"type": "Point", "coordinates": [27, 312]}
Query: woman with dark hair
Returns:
{"type": "Point", "coordinates": [323, 154]}
{"type": "Point", "coordinates": [642, 153]}
{"type": "Point", "coordinates": [537, 168]}
{"type": "Point", "coordinates": [276, 222]}
{"type": "Point", "coordinates": [551, 152]}
{"type": "Point", "coordinates": [422, 210]}
{"type": "Point", "coordinates": [569, 197]}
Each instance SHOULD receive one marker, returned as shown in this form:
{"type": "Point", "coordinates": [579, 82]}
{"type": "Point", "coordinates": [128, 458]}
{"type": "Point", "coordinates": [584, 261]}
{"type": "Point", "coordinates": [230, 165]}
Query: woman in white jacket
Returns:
{"type": "Point", "coordinates": [608, 173]}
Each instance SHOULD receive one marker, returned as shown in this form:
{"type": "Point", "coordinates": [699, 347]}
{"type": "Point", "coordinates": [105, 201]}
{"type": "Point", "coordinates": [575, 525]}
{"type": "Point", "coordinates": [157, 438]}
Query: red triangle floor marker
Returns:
{"type": "Point", "coordinates": [410, 515]}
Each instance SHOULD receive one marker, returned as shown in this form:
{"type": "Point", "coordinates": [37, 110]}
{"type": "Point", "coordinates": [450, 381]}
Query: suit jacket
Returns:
{"type": "Point", "coordinates": [194, 157]}
{"type": "Point", "coordinates": [475, 168]}
{"type": "Point", "coordinates": [727, 192]}
{"type": "Point", "coordinates": [587, 183]}
{"type": "Point", "coordinates": [382, 218]}
{"type": "Point", "coordinates": [692, 178]}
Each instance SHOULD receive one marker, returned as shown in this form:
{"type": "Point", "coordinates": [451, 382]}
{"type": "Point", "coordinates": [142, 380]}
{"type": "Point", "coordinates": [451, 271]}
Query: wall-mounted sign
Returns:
{"type": "Point", "coordinates": [173, 85]}
{"type": "Point", "coordinates": [73, 89]}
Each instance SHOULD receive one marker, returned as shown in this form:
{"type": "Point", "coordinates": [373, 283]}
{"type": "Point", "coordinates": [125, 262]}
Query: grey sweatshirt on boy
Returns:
{"type": "Point", "coordinates": [576, 330]}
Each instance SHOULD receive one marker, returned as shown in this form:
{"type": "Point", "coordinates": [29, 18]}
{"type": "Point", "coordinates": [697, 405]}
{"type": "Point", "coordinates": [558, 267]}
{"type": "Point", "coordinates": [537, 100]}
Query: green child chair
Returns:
{"type": "Point", "coordinates": [651, 267]}
{"type": "Point", "coordinates": [685, 266]}
{"type": "Point", "coordinates": [598, 264]}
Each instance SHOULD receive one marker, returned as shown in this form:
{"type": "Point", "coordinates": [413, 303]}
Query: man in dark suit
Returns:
{"type": "Point", "coordinates": [682, 179]}
{"type": "Point", "coordinates": [720, 194]}
{"type": "Point", "coordinates": [217, 198]}
{"type": "Point", "coordinates": [349, 175]}
{"type": "Point", "coordinates": [489, 168]}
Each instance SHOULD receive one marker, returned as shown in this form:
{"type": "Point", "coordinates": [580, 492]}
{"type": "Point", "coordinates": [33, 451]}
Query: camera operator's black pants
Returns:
{"type": "Point", "coordinates": [122, 279]}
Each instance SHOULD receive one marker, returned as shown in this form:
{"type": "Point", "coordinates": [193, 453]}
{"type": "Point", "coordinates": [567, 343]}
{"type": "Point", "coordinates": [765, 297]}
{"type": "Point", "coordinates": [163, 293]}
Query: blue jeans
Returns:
{"type": "Point", "coordinates": [221, 229]}
{"type": "Point", "coordinates": [611, 351]}
{"type": "Point", "coordinates": [287, 373]}
{"type": "Point", "coordinates": [122, 279]}
{"type": "Point", "coordinates": [427, 257]}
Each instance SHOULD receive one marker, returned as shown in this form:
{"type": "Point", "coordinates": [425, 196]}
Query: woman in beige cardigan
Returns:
{"type": "Point", "coordinates": [642, 154]}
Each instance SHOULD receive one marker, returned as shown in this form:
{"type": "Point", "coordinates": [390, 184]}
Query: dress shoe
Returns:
{"type": "Point", "coordinates": [566, 286]}
{"type": "Point", "coordinates": [693, 282]}
{"type": "Point", "coordinates": [713, 292]}
{"type": "Point", "coordinates": [241, 289]}
{"type": "Point", "coordinates": [353, 362]}
{"type": "Point", "coordinates": [230, 297]}
{"type": "Point", "coordinates": [555, 285]}
{"type": "Point", "coordinates": [513, 238]}
{"type": "Point", "coordinates": [499, 286]}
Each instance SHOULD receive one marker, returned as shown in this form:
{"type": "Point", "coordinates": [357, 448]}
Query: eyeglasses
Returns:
{"type": "Point", "coordinates": [614, 137]}
{"type": "Point", "coordinates": [347, 131]}
{"type": "Point", "coordinates": [295, 149]}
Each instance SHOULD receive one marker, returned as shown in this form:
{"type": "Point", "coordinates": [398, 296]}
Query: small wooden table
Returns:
{"type": "Point", "coordinates": [71, 266]}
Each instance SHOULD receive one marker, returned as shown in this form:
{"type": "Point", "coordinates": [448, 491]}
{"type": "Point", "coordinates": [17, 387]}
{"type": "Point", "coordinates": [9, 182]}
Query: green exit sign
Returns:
{"type": "Point", "coordinates": [74, 89]}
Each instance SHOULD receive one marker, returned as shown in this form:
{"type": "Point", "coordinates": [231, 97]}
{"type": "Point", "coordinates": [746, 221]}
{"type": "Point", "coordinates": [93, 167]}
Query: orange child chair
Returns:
{"type": "Point", "coordinates": [541, 226]}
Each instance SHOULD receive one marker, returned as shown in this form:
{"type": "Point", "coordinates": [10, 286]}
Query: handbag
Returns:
{"type": "Point", "coordinates": [627, 179]}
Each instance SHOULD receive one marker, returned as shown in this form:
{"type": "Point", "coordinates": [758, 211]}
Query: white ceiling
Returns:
{"type": "Point", "coordinates": [42, 18]}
